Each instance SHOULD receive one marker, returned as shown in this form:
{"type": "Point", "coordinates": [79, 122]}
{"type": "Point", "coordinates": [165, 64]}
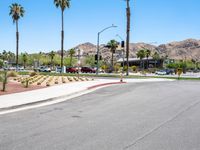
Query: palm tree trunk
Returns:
{"type": "Point", "coordinates": [51, 63]}
{"type": "Point", "coordinates": [62, 40]}
{"type": "Point", "coordinates": [71, 61]}
{"type": "Point", "coordinates": [112, 60]}
{"type": "Point", "coordinates": [147, 62]}
{"type": "Point", "coordinates": [128, 35]}
{"type": "Point", "coordinates": [24, 64]}
{"type": "Point", "coordinates": [17, 45]}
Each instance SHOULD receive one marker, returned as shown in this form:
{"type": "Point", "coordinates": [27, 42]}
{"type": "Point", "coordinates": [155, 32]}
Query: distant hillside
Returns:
{"type": "Point", "coordinates": [188, 49]}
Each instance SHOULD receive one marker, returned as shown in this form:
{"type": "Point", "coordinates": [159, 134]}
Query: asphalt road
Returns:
{"type": "Point", "coordinates": [142, 116]}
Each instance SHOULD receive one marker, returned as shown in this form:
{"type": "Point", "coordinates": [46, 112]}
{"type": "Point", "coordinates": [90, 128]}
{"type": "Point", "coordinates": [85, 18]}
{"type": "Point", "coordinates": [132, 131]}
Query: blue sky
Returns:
{"type": "Point", "coordinates": [158, 21]}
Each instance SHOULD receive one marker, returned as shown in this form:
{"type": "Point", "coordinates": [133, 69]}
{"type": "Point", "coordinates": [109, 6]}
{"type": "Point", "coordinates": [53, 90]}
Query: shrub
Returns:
{"type": "Point", "coordinates": [117, 67]}
{"type": "Point", "coordinates": [12, 74]}
{"type": "Point", "coordinates": [3, 78]}
{"type": "Point", "coordinates": [134, 68]}
{"type": "Point", "coordinates": [33, 74]}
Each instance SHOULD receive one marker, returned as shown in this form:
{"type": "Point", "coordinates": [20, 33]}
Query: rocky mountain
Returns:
{"type": "Point", "coordinates": [189, 49]}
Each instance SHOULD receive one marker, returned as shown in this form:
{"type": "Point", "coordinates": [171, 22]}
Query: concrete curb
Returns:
{"type": "Point", "coordinates": [57, 98]}
{"type": "Point", "coordinates": [104, 84]}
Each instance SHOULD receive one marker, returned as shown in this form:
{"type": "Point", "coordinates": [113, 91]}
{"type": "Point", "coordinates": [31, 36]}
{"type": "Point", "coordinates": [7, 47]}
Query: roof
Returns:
{"type": "Point", "coordinates": [134, 59]}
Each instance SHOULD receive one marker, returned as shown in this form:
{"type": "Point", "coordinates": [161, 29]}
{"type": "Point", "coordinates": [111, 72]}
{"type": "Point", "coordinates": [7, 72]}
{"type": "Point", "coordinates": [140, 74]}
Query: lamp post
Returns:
{"type": "Point", "coordinates": [98, 38]}
{"type": "Point", "coordinates": [123, 52]}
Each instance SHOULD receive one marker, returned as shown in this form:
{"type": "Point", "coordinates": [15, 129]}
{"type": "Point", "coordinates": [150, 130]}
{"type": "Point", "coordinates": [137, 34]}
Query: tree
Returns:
{"type": "Point", "coordinates": [24, 59]}
{"type": "Point", "coordinates": [71, 54]}
{"type": "Point", "coordinates": [63, 4]}
{"type": "Point", "coordinates": [113, 46]}
{"type": "Point", "coordinates": [1, 63]}
{"type": "Point", "coordinates": [52, 55]}
{"type": "Point", "coordinates": [16, 11]}
{"type": "Point", "coordinates": [194, 63]}
{"type": "Point", "coordinates": [128, 14]}
{"type": "Point", "coordinates": [141, 54]}
{"type": "Point", "coordinates": [147, 53]}
{"type": "Point", "coordinates": [156, 57]}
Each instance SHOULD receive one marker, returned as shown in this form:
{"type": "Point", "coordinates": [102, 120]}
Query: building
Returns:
{"type": "Point", "coordinates": [152, 63]}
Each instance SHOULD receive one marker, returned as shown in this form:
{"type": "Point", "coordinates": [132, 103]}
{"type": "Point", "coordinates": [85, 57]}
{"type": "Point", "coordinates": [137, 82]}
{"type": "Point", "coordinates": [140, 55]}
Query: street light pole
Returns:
{"type": "Point", "coordinates": [98, 38]}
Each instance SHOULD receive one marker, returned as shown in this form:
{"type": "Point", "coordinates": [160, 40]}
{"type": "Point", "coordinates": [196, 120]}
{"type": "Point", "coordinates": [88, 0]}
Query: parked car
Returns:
{"type": "Point", "coordinates": [88, 70]}
{"type": "Point", "coordinates": [44, 69]}
{"type": "Point", "coordinates": [161, 72]}
{"type": "Point", "coordinates": [71, 70]}
{"type": "Point", "coordinates": [164, 72]}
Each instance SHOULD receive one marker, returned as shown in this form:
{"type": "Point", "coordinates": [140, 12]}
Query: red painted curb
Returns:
{"type": "Point", "coordinates": [104, 84]}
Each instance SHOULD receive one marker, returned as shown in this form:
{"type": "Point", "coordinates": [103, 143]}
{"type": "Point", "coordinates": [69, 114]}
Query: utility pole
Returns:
{"type": "Point", "coordinates": [128, 14]}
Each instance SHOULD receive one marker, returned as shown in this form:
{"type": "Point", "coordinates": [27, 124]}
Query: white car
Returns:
{"type": "Point", "coordinates": [161, 72]}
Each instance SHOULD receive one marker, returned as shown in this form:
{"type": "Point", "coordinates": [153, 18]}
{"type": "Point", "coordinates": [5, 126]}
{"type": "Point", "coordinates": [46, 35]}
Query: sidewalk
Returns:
{"type": "Point", "coordinates": [13, 101]}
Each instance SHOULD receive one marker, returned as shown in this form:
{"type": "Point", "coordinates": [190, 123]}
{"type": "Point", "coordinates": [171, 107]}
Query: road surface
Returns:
{"type": "Point", "coordinates": [136, 116]}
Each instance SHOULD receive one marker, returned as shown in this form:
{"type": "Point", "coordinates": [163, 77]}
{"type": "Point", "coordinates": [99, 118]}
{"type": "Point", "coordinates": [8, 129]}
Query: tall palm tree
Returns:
{"type": "Point", "coordinates": [156, 57]}
{"type": "Point", "coordinates": [71, 54]}
{"type": "Point", "coordinates": [24, 59]}
{"type": "Point", "coordinates": [52, 55]}
{"type": "Point", "coordinates": [63, 4]}
{"type": "Point", "coordinates": [141, 54]}
{"type": "Point", "coordinates": [128, 14]}
{"type": "Point", "coordinates": [147, 53]}
{"type": "Point", "coordinates": [113, 46]}
{"type": "Point", "coordinates": [16, 11]}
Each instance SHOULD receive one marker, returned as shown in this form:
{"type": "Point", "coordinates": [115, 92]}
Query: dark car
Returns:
{"type": "Point", "coordinates": [87, 70]}
{"type": "Point", "coordinates": [71, 70]}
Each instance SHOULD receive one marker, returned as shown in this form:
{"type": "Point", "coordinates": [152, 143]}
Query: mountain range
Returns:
{"type": "Point", "coordinates": [187, 49]}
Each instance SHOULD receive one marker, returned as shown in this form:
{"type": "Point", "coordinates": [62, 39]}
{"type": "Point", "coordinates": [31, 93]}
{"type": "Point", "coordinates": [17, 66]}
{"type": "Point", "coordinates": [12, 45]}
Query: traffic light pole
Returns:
{"type": "Point", "coordinates": [98, 38]}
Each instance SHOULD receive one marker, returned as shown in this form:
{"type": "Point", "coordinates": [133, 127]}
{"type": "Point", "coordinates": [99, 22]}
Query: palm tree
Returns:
{"type": "Point", "coordinates": [24, 59]}
{"type": "Point", "coordinates": [141, 54]}
{"type": "Point", "coordinates": [71, 54]}
{"type": "Point", "coordinates": [16, 11]}
{"type": "Point", "coordinates": [113, 46]}
{"type": "Point", "coordinates": [128, 15]}
{"type": "Point", "coordinates": [52, 55]}
{"type": "Point", "coordinates": [147, 53]}
{"type": "Point", "coordinates": [156, 57]}
{"type": "Point", "coordinates": [4, 55]}
{"type": "Point", "coordinates": [11, 56]}
{"type": "Point", "coordinates": [63, 4]}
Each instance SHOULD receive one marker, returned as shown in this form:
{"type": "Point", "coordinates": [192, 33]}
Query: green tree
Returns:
{"type": "Point", "coordinates": [141, 54]}
{"type": "Point", "coordinates": [24, 59]}
{"type": "Point", "coordinates": [156, 57]}
{"type": "Point", "coordinates": [147, 53]}
{"type": "Point", "coordinates": [10, 56]}
{"type": "Point", "coordinates": [16, 11]}
{"type": "Point", "coordinates": [90, 61]}
{"type": "Point", "coordinates": [1, 63]}
{"type": "Point", "coordinates": [4, 55]}
{"type": "Point", "coordinates": [71, 54]}
{"type": "Point", "coordinates": [52, 55]}
{"type": "Point", "coordinates": [113, 46]}
{"type": "Point", "coordinates": [63, 4]}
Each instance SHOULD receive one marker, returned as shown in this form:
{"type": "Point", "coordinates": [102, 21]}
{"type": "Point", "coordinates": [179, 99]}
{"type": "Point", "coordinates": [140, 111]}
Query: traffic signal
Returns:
{"type": "Point", "coordinates": [122, 44]}
{"type": "Point", "coordinates": [96, 57]}
{"type": "Point", "coordinates": [100, 57]}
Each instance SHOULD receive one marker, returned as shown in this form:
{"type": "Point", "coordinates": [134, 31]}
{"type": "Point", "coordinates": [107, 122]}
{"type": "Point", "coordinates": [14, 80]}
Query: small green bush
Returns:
{"type": "Point", "coordinates": [33, 74]}
{"type": "Point", "coordinates": [12, 74]}
{"type": "Point", "coordinates": [134, 68]}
